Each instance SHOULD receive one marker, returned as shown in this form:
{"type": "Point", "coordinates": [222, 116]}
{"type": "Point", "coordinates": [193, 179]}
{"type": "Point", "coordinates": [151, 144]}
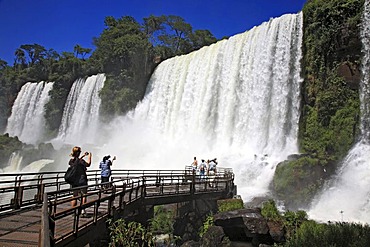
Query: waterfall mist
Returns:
{"type": "Point", "coordinates": [347, 196]}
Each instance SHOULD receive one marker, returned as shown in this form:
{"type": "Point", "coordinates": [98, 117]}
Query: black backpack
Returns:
{"type": "Point", "coordinates": [72, 175]}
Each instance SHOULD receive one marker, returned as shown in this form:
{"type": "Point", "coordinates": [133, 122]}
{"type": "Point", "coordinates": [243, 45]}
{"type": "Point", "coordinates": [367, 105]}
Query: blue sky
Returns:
{"type": "Point", "coordinates": [61, 24]}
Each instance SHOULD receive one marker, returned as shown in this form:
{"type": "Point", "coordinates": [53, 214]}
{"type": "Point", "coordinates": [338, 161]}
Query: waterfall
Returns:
{"type": "Point", "coordinates": [347, 196]}
{"type": "Point", "coordinates": [27, 118]}
{"type": "Point", "coordinates": [365, 82]}
{"type": "Point", "coordinates": [235, 100]}
{"type": "Point", "coordinates": [14, 162]}
{"type": "Point", "coordinates": [80, 119]}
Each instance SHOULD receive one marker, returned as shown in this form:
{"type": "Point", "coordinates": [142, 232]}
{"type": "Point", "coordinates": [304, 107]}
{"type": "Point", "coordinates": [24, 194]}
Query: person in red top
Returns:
{"type": "Point", "coordinates": [82, 168]}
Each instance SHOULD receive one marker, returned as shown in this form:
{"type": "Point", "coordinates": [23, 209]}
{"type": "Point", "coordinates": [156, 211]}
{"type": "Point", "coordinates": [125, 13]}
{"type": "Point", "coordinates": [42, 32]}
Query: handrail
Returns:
{"type": "Point", "coordinates": [22, 190]}
{"type": "Point", "coordinates": [126, 190]}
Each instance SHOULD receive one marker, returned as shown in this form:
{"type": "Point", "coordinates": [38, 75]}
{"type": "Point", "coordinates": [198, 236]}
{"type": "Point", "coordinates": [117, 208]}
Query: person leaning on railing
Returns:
{"type": "Point", "coordinates": [81, 171]}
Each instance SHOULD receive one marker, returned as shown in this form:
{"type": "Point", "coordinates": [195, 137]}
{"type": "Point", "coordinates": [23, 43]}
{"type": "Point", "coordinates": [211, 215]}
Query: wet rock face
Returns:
{"type": "Point", "coordinates": [351, 74]}
{"type": "Point", "coordinates": [215, 236]}
{"type": "Point", "coordinates": [243, 227]}
{"type": "Point", "coordinates": [248, 225]}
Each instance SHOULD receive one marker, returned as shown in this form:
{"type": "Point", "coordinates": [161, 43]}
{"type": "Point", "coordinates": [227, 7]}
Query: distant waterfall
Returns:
{"type": "Point", "coordinates": [14, 163]}
{"type": "Point", "coordinates": [347, 196]}
{"type": "Point", "coordinates": [81, 112]}
{"type": "Point", "coordinates": [27, 118]}
{"type": "Point", "coordinates": [365, 82]}
{"type": "Point", "coordinates": [231, 100]}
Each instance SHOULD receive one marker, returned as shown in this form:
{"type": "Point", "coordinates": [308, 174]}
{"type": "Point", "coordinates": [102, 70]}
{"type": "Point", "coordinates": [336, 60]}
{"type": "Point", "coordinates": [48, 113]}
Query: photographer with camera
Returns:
{"type": "Point", "coordinates": [81, 176]}
{"type": "Point", "coordinates": [106, 172]}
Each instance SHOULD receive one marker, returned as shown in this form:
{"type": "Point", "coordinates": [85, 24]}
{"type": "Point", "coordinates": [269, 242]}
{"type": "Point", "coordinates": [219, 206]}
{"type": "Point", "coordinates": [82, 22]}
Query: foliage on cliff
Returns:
{"type": "Point", "coordinates": [329, 123]}
{"type": "Point", "coordinates": [332, 47]}
{"type": "Point", "coordinates": [297, 181]}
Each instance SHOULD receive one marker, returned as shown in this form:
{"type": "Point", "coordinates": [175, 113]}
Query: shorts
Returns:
{"type": "Point", "coordinates": [82, 191]}
{"type": "Point", "coordinates": [104, 179]}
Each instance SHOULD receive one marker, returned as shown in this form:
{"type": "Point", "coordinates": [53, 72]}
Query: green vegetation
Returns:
{"type": "Point", "coordinates": [291, 220]}
{"type": "Point", "coordinates": [208, 222]}
{"type": "Point", "coordinates": [298, 181]}
{"type": "Point", "coordinates": [162, 223]}
{"type": "Point", "coordinates": [337, 234]}
{"type": "Point", "coordinates": [229, 205]}
{"type": "Point", "coordinates": [303, 232]}
{"type": "Point", "coordinates": [332, 45]}
{"type": "Point", "coordinates": [270, 211]}
{"type": "Point", "coordinates": [131, 234]}
{"type": "Point", "coordinates": [126, 51]}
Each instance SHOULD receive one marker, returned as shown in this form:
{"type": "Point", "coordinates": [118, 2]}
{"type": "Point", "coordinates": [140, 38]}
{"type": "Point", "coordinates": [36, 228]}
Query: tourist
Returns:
{"type": "Point", "coordinates": [194, 165]}
{"type": "Point", "coordinates": [202, 170]}
{"type": "Point", "coordinates": [212, 165]}
{"type": "Point", "coordinates": [81, 180]}
{"type": "Point", "coordinates": [106, 171]}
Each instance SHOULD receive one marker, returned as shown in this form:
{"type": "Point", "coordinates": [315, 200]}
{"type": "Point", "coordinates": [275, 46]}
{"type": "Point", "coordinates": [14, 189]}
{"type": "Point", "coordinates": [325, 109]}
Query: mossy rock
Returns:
{"type": "Point", "coordinates": [297, 181]}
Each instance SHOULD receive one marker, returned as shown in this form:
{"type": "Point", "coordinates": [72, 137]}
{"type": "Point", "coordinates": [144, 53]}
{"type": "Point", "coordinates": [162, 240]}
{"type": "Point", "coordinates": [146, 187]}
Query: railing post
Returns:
{"type": "Point", "coordinates": [122, 197]}
{"type": "Point", "coordinates": [18, 195]}
{"type": "Point", "coordinates": [143, 188]}
{"type": "Point", "coordinates": [40, 189]}
{"type": "Point", "coordinates": [192, 186]}
{"type": "Point", "coordinates": [45, 234]}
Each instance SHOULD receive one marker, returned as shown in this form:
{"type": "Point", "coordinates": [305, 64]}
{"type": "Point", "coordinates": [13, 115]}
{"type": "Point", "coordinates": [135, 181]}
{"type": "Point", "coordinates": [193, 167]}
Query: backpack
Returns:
{"type": "Point", "coordinates": [72, 176]}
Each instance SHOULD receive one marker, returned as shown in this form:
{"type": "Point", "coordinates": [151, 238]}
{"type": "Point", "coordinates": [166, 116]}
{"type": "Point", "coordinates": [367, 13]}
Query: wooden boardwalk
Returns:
{"type": "Point", "coordinates": [23, 224]}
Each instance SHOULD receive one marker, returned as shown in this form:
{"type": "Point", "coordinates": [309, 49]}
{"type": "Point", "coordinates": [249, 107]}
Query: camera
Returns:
{"type": "Point", "coordinates": [86, 153]}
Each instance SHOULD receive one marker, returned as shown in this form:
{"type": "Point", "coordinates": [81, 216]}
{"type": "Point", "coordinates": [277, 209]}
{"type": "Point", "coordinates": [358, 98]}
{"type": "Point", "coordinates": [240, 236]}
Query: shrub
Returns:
{"type": "Point", "coordinates": [207, 223]}
{"type": "Point", "coordinates": [162, 221]}
{"type": "Point", "coordinates": [131, 234]}
{"type": "Point", "coordinates": [270, 211]}
{"type": "Point", "coordinates": [229, 205]}
{"type": "Point", "coordinates": [338, 234]}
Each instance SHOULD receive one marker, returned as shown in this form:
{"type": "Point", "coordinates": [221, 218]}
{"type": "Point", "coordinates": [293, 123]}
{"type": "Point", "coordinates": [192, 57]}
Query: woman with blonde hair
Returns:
{"type": "Point", "coordinates": [82, 165]}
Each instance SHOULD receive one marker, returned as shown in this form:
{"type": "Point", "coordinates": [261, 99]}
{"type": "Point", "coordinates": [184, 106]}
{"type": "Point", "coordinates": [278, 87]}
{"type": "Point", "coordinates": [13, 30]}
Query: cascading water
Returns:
{"type": "Point", "coordinates": [235, 100]}
{"type": "Point", "coordinates": [27, 118]}
{"type": "Point", "coordinates": [80, 119]}
{"type": "Point", "coordinates": [14, 163]}
{"type": "Point", "coordinates": [347, 197]}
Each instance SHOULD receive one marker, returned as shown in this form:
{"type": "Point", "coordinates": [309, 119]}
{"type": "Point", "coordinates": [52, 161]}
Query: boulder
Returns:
{"type": "Point", "coordinates": [190, 243]}
{"type": "Point", "coordinates": [276, 231]}
{"type": "Point", "coordinates": [214, 237]}
{"type": "Point", "coordinates": [244, 225]}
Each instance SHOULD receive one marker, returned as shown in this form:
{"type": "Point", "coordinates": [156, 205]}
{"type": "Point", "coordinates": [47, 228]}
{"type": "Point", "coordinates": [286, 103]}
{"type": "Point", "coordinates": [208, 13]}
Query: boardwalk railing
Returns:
{"type": "Point", "coordinates": [126, 192]}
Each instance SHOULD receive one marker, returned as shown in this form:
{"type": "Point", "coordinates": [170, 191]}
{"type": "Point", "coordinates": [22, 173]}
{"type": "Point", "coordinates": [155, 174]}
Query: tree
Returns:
{"type": "Point", "coordinates": [20, 58]}
{"type": "Point", "coordinates": [3, 64]}
{"type": "Point", "coordinates": [200, 38]}
{"type": "Point", "coordinates": [81, 51]}
{"type": "Point", "coordinates": [35, 52]}
{"type": "Point", "coordinates": [179, 39]}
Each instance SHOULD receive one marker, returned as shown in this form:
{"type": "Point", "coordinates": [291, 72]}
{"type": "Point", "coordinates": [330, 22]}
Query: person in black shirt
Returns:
{"type": "Point", "coordinates": [82, 177]}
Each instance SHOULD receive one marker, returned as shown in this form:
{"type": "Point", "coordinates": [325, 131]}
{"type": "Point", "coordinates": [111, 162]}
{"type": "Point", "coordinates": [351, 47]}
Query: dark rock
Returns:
{"type": "Point", "coordinates": [351, 74]}
{"type": "Point", "coordinates": [214, 237]}
{"type": "Point", "coordinates": [244, 225]}
{"type": "Point", "coordinates": [276, 231]}
{"type": "Point", "coordinates": [249, 220]}
{"type": "Point", "coordinates": [190, 243]}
